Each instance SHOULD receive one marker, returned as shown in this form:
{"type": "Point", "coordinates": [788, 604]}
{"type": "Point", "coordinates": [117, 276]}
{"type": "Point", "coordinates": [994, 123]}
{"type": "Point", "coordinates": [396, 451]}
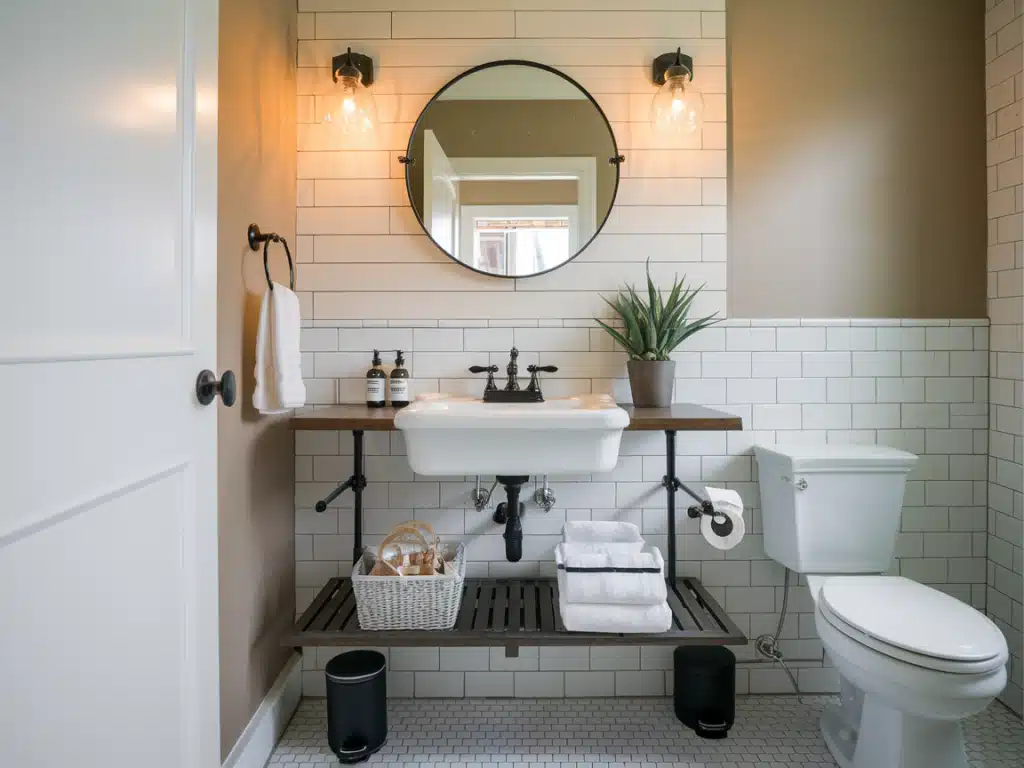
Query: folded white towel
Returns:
{"type": "Point", "coordinates": [279, 386]}
{"type": "Point", "coordinates": [625, 536]}
{"type": "Point", "coordinates": [615, 618]}
{"type": "Point", "coordinates": [610, 577]}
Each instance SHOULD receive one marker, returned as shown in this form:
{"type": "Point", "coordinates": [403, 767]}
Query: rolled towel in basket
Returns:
{"type": "Point", "coordinates": [610, 577]}
{"type": "Point", "coordinates": [607, 534]}
{"type": "Point", "coordinates": [615, 618]}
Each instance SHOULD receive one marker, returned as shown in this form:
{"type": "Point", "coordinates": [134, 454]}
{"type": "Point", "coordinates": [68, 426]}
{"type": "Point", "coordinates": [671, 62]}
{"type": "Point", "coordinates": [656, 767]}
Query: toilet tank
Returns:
{"type": "Point", "coordinates": [832, 508]}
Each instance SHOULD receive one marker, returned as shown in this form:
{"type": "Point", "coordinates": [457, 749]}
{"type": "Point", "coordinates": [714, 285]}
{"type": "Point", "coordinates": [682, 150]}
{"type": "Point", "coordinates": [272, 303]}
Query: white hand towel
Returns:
{"type": "Point", "coordinates": [630, 619]}
{"type": "Point", "coordinates": [625, 536]}
{"type": "Point", "coordinates": [610, 577]}
{"type": "Point", "coordinates": [279, 386]}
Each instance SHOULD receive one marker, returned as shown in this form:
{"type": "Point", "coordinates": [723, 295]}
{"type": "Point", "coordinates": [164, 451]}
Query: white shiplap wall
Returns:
{"type": "Point", "coordinates": [1005, 62]}
{"type": "Point", "coordinates": [369, 278]}
{"type": "Point", "coordinates": [362, 254]}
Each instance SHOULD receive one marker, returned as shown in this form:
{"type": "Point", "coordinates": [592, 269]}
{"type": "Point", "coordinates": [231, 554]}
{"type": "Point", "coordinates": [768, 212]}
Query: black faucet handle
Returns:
{"type": "Point", "coordinates": [534, 385]}
{"type": "Point", "coordinates": [490, 370]}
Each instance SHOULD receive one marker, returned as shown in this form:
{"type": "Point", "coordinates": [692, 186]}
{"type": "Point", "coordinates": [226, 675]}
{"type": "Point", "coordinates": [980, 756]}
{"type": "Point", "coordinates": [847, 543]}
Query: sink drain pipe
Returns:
{"type": "Point", "coordinates": [510, 513]}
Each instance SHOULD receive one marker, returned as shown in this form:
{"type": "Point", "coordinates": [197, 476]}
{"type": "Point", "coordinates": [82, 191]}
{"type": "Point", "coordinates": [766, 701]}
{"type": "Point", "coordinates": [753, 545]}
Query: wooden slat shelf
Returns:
{"type": "Point", "coordinates": [511, 613]}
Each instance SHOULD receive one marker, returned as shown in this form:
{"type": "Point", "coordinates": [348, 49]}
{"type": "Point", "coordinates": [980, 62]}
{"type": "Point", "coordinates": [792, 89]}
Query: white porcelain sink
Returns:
{"type": "Point", "coordinates": [447, 435]}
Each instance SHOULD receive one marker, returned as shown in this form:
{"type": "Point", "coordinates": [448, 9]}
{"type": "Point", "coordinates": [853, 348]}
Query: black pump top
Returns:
{"type": "Point", "coordinates": [376, 357]}
{"type": "Point", "coordinates": [399, 360]}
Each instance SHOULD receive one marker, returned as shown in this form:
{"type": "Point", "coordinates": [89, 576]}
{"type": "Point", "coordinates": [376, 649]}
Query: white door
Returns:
{"type": "Point", "coordinates": [440, 195]}
{"type": "Point", "coordinates": [108, 516]}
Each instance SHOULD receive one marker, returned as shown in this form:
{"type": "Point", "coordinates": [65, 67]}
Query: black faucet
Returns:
{"type": "Point", "coordinates": [512, 393]}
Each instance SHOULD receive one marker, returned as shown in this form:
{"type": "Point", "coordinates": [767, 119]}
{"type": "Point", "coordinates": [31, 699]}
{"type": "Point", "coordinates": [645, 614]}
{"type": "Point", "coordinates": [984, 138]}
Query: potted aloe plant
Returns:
{"type": "Point", "coordinates": [652, 328]}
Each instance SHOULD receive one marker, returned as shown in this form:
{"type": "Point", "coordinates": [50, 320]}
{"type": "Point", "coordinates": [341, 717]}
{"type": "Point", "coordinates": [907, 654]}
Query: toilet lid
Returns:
{"type": "Point", "coordinates": [908, 615]}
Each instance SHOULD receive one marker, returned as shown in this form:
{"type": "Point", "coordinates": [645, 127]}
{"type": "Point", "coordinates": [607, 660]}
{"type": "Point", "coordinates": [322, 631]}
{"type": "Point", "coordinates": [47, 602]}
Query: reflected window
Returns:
{"type": "Point", "coordinates": [518, 240]}
{"type": "Point", "coordinates": [520, 246]}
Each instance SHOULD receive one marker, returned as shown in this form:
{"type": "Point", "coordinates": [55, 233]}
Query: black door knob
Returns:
{"type": "Point", "coordinates": [207, 387]}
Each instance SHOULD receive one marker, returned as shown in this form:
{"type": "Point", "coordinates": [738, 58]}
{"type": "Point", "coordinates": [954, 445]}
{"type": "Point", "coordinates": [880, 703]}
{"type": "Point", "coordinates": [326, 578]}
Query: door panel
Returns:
{"type": "Point", "coordinates": [108, 548]}
{"type": "Point", "coordinates": [94, 173]}
{"type": "Point", "coordinates": [83, 428]}
{"type": "Point", "coordinates": [440, 197]}
{"type": "Point", "coordinates": [121, 657]}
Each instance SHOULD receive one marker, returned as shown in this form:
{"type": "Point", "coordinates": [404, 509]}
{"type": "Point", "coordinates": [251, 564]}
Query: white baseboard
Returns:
{"type": "Point", "coordinates": [257, 742]}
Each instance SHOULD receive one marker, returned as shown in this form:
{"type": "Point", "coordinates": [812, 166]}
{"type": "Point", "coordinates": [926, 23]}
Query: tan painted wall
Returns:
{"type": "Point", "coordinates": [857, 178]}
{"type": "Point", "coordinates": [256, 177]}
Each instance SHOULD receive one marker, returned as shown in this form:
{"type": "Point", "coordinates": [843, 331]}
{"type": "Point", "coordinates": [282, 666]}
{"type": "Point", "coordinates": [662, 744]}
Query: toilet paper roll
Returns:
{"type": "Point", "coordinates": [739, 529]}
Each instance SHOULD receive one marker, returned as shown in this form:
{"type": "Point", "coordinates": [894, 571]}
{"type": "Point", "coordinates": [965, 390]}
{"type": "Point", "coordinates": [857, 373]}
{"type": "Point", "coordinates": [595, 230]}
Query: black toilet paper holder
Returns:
{"type": "Point", "coordinates": [721, 525]}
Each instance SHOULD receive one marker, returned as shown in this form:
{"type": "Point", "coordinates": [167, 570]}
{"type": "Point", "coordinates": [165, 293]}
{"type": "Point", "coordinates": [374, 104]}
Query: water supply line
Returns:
{"type": "Point", "coordinates": [480, 497]}
{"type": "Point", "coordinates": [544, 497]}
{"type": "Point", "coordinates": [768, 645]}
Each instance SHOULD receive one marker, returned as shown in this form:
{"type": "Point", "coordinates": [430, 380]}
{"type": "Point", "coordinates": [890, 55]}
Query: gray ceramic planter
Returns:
{"type": "Point", "coordinates": [651, 382]}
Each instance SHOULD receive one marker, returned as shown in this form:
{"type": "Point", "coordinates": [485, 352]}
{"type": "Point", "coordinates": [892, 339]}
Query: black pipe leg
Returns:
{"type": "Point", "coordinates": [358, 484]}
{"type": "Point", "coordinates": [670, 482]}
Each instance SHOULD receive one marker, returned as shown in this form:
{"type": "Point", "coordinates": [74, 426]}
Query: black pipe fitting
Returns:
{"type": "Point", "coordinates": [514, 539]}
{"type": "Point", "coordinates": [513, 516]}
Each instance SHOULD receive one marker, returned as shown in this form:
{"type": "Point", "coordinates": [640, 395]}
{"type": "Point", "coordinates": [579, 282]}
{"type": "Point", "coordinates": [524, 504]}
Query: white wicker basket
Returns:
{"type": "Point", "coordinates": [409, 602]}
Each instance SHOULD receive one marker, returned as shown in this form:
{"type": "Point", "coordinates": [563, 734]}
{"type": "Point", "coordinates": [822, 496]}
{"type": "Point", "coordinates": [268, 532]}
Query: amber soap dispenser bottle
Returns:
{"type": "Point", "coordinates": [376, 380]}
{"type": "Point", "coordinates": [398, 384]}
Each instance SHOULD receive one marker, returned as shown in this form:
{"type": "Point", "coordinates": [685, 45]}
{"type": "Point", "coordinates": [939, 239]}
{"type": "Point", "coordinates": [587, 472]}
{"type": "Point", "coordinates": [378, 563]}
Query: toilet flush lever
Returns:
{"type": "Point", "coordinates": [800, 485]}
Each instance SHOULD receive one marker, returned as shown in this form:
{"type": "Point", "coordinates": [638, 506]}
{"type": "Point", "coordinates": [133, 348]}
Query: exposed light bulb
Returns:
{"type": "Point", "coordinates": [678, 107]}
{"type": "Point", "coordinates": [350, 104]}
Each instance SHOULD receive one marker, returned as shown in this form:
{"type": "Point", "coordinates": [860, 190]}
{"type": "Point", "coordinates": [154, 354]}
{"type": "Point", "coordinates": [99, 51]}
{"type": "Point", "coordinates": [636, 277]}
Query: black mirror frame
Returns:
{"type": "Point", "coordinates": [409, 161]}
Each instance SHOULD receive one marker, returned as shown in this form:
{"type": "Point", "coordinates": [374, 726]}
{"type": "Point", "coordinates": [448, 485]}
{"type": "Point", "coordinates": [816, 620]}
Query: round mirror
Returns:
{"type": "Point", "coordinates": [512, 169]}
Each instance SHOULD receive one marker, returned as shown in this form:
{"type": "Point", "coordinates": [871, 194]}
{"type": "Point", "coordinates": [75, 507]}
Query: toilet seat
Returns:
{"type": "Point", "coordinates": [914, 623]}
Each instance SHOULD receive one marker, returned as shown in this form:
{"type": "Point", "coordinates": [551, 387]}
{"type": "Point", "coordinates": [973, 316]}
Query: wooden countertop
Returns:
{"type": "Point", "coordinates": [682, 417]}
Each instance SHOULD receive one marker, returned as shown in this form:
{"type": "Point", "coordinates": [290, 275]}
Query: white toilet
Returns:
{"type": "Point", "coordinates": [913, 661]}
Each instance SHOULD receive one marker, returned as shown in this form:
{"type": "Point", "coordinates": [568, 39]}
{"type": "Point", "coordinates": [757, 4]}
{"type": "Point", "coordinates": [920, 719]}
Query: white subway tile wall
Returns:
{"type": "Point", "coordinates": [943, 418]}
{"type": "Point", "coordinates": [1005, 577]}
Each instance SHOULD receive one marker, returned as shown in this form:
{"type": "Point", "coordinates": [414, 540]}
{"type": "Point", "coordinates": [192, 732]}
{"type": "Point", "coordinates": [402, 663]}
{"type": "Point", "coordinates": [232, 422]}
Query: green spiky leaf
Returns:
{"type": "Point", "coordinates": [654, 326]}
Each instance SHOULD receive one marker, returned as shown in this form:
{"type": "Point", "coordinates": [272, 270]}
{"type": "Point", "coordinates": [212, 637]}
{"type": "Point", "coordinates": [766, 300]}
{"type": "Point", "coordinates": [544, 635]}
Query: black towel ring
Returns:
{"type": "Point", "coordinates": [256, 237]}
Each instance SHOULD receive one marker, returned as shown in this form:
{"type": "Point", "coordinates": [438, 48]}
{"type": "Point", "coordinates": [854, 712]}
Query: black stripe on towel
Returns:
{"type": "Point", "coordinates": [606, 569]}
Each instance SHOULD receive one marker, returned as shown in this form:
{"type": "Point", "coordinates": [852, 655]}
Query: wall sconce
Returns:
{"type": "Point", "coordinates": [678, 106]}
{"type": "Point", "coordinates": [349, 104]}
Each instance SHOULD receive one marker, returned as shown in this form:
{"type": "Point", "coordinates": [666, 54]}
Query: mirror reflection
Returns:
{"type": "Point", "coordinates": [511, 173]}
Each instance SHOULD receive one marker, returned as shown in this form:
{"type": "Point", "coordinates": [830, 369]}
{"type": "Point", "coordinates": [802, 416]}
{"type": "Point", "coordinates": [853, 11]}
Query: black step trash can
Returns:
{"type": "Point", "coordinates": [705, 689]}
{"type": "Point", "coordinates": [357, 706]}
